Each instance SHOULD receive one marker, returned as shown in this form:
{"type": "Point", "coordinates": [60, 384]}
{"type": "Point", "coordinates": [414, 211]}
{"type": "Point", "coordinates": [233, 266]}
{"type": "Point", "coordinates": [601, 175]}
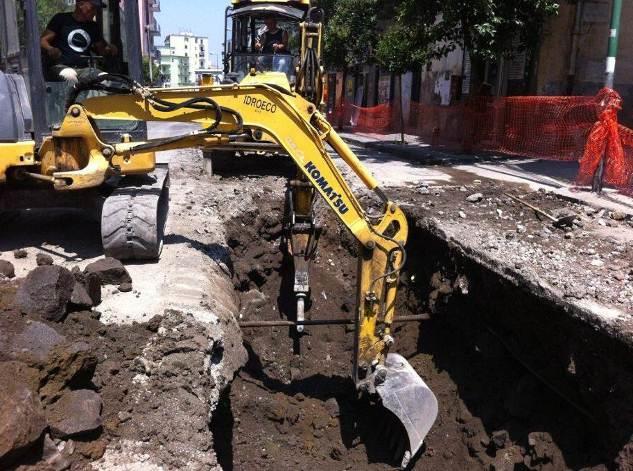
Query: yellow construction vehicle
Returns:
{"type": "Point", "coordinates": [132, 205]}
{"type": "Point", "coordinates": [79, 164]}
{"type": "Point", "coordinates": [229, 115]}
{"type": "Point", "coordinates": [297, 65]}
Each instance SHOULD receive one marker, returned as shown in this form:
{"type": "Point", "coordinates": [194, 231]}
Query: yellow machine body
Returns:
{"type": "Point", "coordinates": [15, 154]}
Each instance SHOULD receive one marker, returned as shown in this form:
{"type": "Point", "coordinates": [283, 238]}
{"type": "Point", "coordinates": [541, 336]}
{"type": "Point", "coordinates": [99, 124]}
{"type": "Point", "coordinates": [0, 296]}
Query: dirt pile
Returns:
{"type": "Point", "coordinates": [75, 391]}
{"type": "Point", "coordinates": [47, 391]}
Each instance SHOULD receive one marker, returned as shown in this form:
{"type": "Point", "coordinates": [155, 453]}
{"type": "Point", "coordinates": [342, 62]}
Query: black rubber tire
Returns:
{"type": "Point", "coordinates": [218, 161]}
{"type": "Point", "coordinates": [133, 223]}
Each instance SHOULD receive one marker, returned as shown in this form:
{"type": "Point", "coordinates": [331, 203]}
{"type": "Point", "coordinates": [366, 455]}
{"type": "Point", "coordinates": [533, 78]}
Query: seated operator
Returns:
{"type": "Point", "coordinates": [68, 40]}
{"type": "Point", "coordinates": [273, 40]}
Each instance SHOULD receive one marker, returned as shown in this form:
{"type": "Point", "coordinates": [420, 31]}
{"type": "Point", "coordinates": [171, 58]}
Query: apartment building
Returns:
{"type": "Point", "coordinates": [181, 56]}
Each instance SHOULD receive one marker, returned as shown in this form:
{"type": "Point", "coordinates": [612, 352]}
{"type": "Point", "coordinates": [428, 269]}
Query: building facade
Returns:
{"type": "Point", "coordinates": [181, 56]}
{"type": "Point", "coordinates": [174, 69]}
{"type": "Point", "coordinates": [571, 60]}
{"type": "Point", "coordinates": [150, 29]}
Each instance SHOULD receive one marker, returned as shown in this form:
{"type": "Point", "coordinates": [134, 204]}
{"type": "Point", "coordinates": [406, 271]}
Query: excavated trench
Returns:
{"type": "Point", "coordinates": [521, 383]}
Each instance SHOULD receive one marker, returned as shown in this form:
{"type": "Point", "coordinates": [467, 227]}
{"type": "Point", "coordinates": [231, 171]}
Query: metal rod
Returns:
{"type": "Point", "coordinates": [37, 176]}
{"type": "Point", "coordinates": [322, 322]}
{"type": "Point", "coordinates": [538, 210]}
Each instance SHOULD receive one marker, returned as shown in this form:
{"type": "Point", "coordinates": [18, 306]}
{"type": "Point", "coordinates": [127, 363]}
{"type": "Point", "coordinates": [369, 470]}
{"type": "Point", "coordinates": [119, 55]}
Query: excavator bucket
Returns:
{"type": "Point", "coordinates": [408, 397]}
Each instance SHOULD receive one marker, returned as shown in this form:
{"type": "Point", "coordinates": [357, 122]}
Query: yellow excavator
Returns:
{"type": "Point", "coordinates": [77, 160]}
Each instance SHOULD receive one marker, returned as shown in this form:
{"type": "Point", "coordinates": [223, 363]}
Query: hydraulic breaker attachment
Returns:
{"type": "Point", "coordinates": [302, 236]}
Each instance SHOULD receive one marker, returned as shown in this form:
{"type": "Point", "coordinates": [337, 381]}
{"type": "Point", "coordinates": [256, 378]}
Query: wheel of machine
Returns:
{"type": "Point", "coordinates": [134, 216]}
{"type": "Point", "coordinates": [218, 161]}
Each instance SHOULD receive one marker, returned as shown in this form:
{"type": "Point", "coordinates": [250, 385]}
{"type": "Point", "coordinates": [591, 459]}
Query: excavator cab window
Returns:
{"type": "Point", "coordinates": [246, 28]}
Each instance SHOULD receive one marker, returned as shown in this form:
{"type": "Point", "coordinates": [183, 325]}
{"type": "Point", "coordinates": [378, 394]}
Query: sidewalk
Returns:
{"type": "Point", "coordinates": [552, 175]}
{"type": "Point", "coordinates": [414, 148]}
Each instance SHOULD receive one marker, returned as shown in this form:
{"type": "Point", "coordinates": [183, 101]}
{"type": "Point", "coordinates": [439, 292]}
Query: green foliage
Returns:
{"type": "Point", "coordinates": [46, 9]}
{"type": "Point", "coordinates": [489, 27]}
{"type": "Point", "coordinates": [401, 33]}
{"type": "Point", "coordinates": [155, 71]}
{"type": "Point", "coordinates": [412, 37]}
{"type": "Point", "coordinates": [350, 31]}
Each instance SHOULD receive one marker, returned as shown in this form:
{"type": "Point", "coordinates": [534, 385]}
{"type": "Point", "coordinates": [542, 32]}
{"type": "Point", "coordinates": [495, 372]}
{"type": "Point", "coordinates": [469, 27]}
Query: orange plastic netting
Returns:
{"type": "Point", "coordinates": [583, 129]}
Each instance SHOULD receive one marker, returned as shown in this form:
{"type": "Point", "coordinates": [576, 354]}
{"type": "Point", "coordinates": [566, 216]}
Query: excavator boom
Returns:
{"type": "Point", "coordinates": [239, 114]}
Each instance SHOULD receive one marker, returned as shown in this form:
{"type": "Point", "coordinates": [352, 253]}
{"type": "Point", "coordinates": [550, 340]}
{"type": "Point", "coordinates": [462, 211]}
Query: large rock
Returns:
{"type": "Point", "coordinates": [67, 366]}
{"type": "Point", "coordinates": [80, 298]}
{"type": "Point", "coordinates": [29, 343]}
{"type": "Point", "coordinates": [22, 420]}
{"type": "Point", "coordinates": [46, 292]}
{"type": "Point", "coordinates": [110, 271]}
{"type": "Point", "coordinates": [76, 413]}
{"type": "Point", "coordinates": [7, 270]}
{"type": "Point", "coordinates": [91, 283]}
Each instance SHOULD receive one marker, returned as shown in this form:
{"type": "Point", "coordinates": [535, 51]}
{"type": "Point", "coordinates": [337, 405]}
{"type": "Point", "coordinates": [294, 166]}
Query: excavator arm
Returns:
{"type": "Point", "coordinates": [230, 115]}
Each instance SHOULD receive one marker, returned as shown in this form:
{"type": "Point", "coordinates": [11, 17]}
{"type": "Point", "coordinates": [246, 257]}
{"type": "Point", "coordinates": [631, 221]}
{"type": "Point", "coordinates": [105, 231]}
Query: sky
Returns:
{"type": "Point", "coordinates": [201, 17]}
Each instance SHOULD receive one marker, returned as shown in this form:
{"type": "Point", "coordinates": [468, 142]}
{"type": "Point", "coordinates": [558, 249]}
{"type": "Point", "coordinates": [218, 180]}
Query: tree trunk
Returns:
{"type": "Point", "coordinates": [341, 118]}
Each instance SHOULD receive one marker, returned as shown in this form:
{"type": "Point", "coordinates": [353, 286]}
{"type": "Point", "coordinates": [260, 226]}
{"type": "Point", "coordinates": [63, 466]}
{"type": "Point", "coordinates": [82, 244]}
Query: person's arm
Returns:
{"type": "Point", "coordinates": [48, 37]}
{"type": "Point", "coordinates": [259, 40]}
{"type": "Point", "coordinates": [283, 46]}
{"type": "Point", "coordinates": [105, 49]}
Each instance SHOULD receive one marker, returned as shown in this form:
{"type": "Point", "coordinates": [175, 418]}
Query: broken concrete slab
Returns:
{"type": "Point", "coordinates": [76, 413]}
{"type": "Point", "coordinates": [110, 271]}
{"type": "Point", "coordinates": [46, 292]}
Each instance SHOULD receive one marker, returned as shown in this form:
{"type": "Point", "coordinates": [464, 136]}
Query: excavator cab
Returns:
{"type": "Point", "coordinates": [252, 31]}
{"type": "Point", "coordinates": [36, 175]}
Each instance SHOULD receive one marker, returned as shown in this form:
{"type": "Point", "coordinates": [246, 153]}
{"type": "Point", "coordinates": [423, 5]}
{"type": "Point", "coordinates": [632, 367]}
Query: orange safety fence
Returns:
{"type": "Point", "coordinates": [580, 128]}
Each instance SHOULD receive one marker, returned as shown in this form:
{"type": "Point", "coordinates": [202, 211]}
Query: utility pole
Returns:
{"type": "Point", "coordinates": [612, 54]}
{"type": "Point", "coordinates": [614, 37]}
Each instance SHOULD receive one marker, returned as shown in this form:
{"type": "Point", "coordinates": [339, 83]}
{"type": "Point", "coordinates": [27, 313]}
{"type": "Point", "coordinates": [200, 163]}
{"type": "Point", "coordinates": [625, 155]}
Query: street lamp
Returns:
{"type": "Point", "coordinates": [217, 59]}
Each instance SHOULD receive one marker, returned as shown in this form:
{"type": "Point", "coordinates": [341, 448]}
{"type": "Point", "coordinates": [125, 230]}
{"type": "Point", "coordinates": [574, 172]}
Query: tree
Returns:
{"type": "Point", "coordinates": [155, 71]}
{"type": "Point", "coordinates": [46, 9]}
{"type": "Point", "coordinates": [411, 38]}
{"type": "Point", "coordinates": [350, 31]}
{"type": "Point", "coordinates": [488, 28]}
{"type": "Point", "coordinates": [423, 30]}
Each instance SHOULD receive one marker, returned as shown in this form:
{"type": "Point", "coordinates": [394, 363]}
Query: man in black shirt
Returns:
{"type": "Point", "coordinates": [70, 37]}
{"type": "Point", "coordinates": [273, 40]}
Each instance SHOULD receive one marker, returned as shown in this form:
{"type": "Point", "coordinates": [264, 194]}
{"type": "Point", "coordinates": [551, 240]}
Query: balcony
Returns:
{"type": "Point", "coordinates": [153, 28]}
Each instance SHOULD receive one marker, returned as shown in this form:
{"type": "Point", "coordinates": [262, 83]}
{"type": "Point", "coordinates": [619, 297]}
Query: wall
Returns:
{"type": "Point", "coordinates": [437, 80]}
{"type": "Point", "coordinates": [555, 55]}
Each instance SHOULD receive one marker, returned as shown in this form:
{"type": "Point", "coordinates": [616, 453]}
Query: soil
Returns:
{"type": "Point", "coordinates": [293, 406]}
{"type": "Point", "coordinates": [148, 375]}
{"type": "Point", "coordinates": [590, 260]}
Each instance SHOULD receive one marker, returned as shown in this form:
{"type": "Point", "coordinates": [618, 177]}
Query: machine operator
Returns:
{"type": "Point", "coordinates": [69, 39]}
{"type": "Point", "coordinates": [273, 40]}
